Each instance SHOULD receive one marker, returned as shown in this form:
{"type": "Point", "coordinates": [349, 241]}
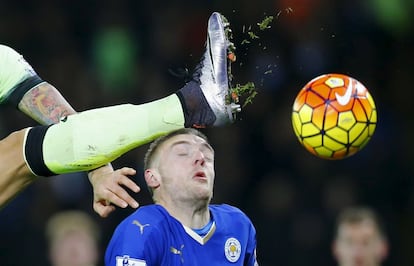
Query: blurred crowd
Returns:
{"type": "Point", "coordinates": [100, 53]}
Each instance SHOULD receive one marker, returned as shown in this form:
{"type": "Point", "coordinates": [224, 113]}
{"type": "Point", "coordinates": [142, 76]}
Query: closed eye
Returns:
{"type": "Point", "coordinates": [181, 150]}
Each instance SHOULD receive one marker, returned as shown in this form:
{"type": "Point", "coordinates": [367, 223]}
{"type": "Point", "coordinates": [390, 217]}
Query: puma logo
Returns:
{"type": "Point", "coordinates": [141, 226]}
{"type": "Point", "coordinates": [178, 252]}
{"type": "Point", "coordinates": [344, 99]}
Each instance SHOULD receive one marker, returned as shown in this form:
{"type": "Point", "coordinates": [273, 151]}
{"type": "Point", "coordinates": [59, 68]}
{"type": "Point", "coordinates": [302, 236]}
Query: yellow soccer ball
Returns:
{"type": "Point", "coordinates": [334, 116]}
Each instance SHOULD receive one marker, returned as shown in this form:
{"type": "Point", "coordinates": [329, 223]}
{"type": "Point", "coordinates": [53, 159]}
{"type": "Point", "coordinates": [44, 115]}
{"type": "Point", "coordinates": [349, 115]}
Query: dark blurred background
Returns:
{"type": "Point", "coordinates": [100, 53]}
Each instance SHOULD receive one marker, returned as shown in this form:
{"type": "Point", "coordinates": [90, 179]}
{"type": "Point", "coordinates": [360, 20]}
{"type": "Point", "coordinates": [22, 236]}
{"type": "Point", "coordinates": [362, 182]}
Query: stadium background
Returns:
{"type": "Point", "coordinates": [101, 53]}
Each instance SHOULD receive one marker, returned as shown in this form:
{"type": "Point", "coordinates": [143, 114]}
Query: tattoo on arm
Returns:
{"type": "Point", "coordinates": [45, 104]}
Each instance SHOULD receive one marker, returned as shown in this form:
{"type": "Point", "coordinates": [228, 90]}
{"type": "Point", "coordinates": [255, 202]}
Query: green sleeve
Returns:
{"type": "Point", "coordinates": [13, 70]}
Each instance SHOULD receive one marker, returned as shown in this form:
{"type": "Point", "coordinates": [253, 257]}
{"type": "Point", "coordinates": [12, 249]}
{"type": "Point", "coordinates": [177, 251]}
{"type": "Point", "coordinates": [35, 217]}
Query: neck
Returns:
{"type": "Point", "coordinates": [191, 215]}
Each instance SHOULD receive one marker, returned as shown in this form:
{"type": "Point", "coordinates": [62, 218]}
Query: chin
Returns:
{"type": "Point", "coordinates": [204, 195]}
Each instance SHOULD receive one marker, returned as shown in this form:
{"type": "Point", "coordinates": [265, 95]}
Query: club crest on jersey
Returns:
{"type": "Point", "coordinates": [232, 249]}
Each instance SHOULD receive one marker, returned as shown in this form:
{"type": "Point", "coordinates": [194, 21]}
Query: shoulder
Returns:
{"type": "Point", "coordinates": [151, 216]}
{"type": "Point", "coordinates": [230, 219]}
{"type": "Point", "coordinates": [225, 208]}
{"type": "Point", "coordinates": [142, 225]}
{"type": "Point", "coordinates": [226, 211]}
{"type": "Point", "coordinates": [150, 212]}
{"type": "Point", "coordinates": [134, 236]}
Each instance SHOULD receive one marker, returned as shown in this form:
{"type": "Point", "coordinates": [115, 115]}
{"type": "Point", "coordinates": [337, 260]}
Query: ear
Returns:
{"type": "Point", "coordinates": [152, 177]}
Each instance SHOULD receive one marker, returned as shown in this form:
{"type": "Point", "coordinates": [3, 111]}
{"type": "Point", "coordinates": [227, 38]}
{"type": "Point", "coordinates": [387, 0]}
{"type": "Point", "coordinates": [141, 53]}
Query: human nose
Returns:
{"type": "Point", "coordinates": [199, 157]}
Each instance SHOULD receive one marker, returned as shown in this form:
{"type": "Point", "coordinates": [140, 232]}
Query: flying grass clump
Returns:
{"type": "Point", "coordinates": [246, 92]}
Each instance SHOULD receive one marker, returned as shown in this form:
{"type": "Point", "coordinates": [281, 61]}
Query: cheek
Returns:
{"type": "Point", "coordinates": [173, 173]}
{"type": "Point", "coordinates": [211, 170]}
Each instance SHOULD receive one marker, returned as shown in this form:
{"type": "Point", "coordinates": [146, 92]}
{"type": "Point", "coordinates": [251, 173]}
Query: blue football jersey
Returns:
{"type": "Point", "coordinates": [151, 236]}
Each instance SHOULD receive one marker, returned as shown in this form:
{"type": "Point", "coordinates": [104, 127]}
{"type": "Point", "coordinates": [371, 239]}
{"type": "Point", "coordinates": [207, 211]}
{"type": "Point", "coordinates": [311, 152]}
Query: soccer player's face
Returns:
{"type": "Point", "coordinates": [186, 167]}
{"type": "Point", "coordinates": [359, 244]}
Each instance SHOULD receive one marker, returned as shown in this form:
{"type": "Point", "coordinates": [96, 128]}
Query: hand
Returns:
{"type": "Point", "coordinates": [109, 188]}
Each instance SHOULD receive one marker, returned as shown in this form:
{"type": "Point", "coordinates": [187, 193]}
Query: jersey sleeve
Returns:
{"type": "Point", "coordinates": [251, 258]}
{"type": "Point", "coordinates": [133, 244]}
{"type": "Point", "coordinates": [16, 76]}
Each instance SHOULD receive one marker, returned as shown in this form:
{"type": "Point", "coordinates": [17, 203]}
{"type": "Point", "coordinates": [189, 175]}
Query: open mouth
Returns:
{"type": "Point", "coordinates": [200, 175]}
